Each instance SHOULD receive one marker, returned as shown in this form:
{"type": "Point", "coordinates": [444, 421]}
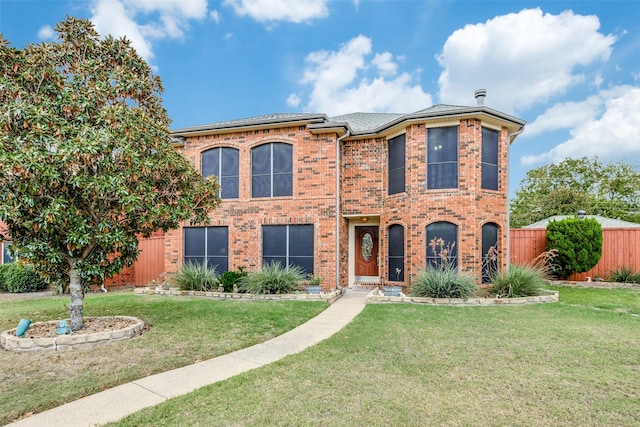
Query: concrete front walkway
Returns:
{"type": "Point", "coordinates": [118, 402]}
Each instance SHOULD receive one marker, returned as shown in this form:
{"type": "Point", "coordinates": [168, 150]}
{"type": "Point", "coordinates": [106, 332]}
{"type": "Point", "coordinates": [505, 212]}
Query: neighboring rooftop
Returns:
{"type": "Point", "coordinates": [604, 222]}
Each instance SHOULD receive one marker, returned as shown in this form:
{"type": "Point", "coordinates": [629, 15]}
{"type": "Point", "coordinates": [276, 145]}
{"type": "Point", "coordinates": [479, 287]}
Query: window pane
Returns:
{"type": "Point", "coordinates": [266, 260]}
{"type": "Point", "coordinates": [442, 244]}
{"type": "Point", "coordinates": [442, 175]}
{"type": "Point", "coordinates": [229, 187]}
{"type": "Point", "coordinates": [442, 144]}
{"type": "Point", "coordinates": [306, 263]}
{"type": "Point", "coordinates": [220, 263]}
{"type": "Point", "coordinates": [489, 251]}
{"type": "Point", "coordinates": [396, 152]}
{"type": "Point", "coordinates": [282, 185]}
{"type": "Point", "coordinates": [261, 186]}
{"type": "Point", "coordinates": [194, 242]}
{"type": "Point", "coordinates": [194, 260]}
{"type": "Point", "coordinates": [396, 240]}
{"type": "Point", "coordinates": [489, 146]}
{"type": "Point", "coordinates": [230, 160]}
{"type": "Point", "coordinates": [489, 177]}
{"type": "Point", "coordinates": [282, 158]}
{"type": "Point", "coordinates": [301, 240]}
{"type": "Point", "coordinates": [396, 269]}
{"type": "Point", "coordinates": [396, 181]}
{"type": "Point", "coordinates": [217, 241]}
{"type": "Point", "coordinates": [6, 256]}
{"type": "Point", "coordinates": [274, 241]}
{"type": "Point", "coordinates": [261, 160]}
{"type": "Point", "coordinates": [210, 160]}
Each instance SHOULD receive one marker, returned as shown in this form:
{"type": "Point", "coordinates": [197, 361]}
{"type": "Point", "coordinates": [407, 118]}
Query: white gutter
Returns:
{"type": "Point", "coordinates": [338, 215]}
{"type": "Point", "coordinates": [510, 136]}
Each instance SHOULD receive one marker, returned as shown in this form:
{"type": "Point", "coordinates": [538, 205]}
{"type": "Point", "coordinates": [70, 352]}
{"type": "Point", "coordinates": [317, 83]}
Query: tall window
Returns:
{"type": "Point", "coordinates": [442, 244]}
{"type": "Point", "coordinates": [208, 245]}
{"type": "Point", "coordinates": [223, 163]}
{"type": "Point", "coordinates": [489, 159]}
{"type": "Point", "coordinates": [6, 256]}
{"type": "Point", "coordinates": [288, 245]}
{"type": "Point", "coordinates": [489, 251]}
{"type": "Point", "coordinates": [396, 253]}
{"type": "Point", "coordinates": [396, 165]}
{"type": "Point", "coordinates": [272, 170]}
{"type": "Point", "coordinates": [442, 157]}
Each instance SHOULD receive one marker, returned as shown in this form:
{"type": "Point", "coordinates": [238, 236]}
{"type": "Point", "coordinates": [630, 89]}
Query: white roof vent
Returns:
{"type": "Point", "coordinates": [480, 94]}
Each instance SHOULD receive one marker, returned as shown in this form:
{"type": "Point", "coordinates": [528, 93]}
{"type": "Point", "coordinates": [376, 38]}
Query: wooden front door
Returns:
{"type": "Point", "coordinates": [366, 248]}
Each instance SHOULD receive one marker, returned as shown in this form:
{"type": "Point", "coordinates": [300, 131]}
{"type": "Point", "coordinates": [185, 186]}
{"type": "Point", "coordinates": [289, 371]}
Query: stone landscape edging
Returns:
{"type": "Point", "coordinates": [329, 297]}
{"type": "Point", "coordinates": [549, 297]}
{"type": "Point", "coordinates": [64, 342]}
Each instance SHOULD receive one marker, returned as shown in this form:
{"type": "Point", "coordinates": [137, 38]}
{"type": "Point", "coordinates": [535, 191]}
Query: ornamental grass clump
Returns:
{"type": "Point", "coordinates": [624, 275]}
{"type": "Point", "coordinates": [272, 278]}
{"type": "Point", "coordinates": [524, 280]}
{"type": "Point", "coordinates": [443, 282]}
{"type": "Point", "coordinates": [196, 277]}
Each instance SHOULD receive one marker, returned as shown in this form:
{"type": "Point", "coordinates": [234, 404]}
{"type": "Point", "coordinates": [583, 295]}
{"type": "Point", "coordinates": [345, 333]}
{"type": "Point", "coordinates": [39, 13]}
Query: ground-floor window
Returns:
{"type": "Point", "coordinates": [208, 245]}
{"type": "Point", "coordinates": [288, 245]}
{"type": "Point", "coordinates": [396, 253]}
{"type": "Point", "coordinates": [489, 251]}
{"type": "Point", "coordinates": [442, 244]}
{"type": "Point", "coordinates": [6, 256]}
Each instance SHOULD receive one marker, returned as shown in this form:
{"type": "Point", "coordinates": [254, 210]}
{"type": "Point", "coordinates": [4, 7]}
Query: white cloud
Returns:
{"type": "Point", "coordinates": [295, 11]}
{"type": "Point", "coordinates": [215, 16]}
{"type": "Point", "coordinates": [613, 136]}
{"type": "Point", "coordinates": [144, 22]}
{"type": "Point", "coordinates": [340, 84]}
{"type": "Point", "coordinates": [46, 33]}
{"type": "Point", "coordinates": [565, 115]}
{"type": "Point", "coordinates": [521, 58]}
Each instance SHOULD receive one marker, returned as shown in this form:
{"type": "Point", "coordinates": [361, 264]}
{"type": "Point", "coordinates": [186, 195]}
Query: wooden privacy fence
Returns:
{"type": "Point", "coordinates": [149, 265]}
{"type": "Point", "coordinates": [620, 248]}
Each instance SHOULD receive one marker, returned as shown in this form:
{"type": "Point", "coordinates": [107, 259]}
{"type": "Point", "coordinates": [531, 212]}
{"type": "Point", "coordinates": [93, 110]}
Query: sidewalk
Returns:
{"type": "Point", "coordinates": [118, 402]}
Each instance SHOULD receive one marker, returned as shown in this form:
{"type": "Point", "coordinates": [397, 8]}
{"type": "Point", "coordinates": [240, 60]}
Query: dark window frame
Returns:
{"type": "Point", "coordinates": [224, 177]}
{"type": "Point", "coordinates": [276, 175]}
{"type": "Point", "coordinates": [6, 256]}
{"type": "Point", "coordinates": [443, 158]}
{"type": "Point", "coordinates": [490, 159]}
{"type": "Point", "coordinates": [438, 238]}
{"type": "Point", "coordinates": [395, 252]}
{"type": "Point", "coordinates": [396, 175]}
{"type": "Point", "coordinates": [292, 241]}
{"type": "Point", "coordinates": [212, 254]}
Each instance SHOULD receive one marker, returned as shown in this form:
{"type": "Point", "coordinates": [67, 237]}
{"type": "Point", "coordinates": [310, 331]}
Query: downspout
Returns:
{"type": "Point", "coordinates": [510, 138]}
{"type": "Point", "coordinates": [338, 166]}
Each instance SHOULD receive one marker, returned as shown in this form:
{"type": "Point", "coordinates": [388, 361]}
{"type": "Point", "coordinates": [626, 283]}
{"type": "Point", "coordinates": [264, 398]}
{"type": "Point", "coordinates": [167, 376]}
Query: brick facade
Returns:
{"type": "Point", "coordinates": [363, 194]}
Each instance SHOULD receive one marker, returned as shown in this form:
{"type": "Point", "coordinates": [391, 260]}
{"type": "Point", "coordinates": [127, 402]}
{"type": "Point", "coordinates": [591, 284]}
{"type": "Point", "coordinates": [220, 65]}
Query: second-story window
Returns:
{"type": "Point", "coordinates": [272, 170]}
{"type": "Point", "coordinates": [396, 165]}
{"type": "Point", "coordinates": [489, 159]}
{"type": "Point", "coordinates": [442, 157]}
{"type": "Point", "coordinates": [223, 163]}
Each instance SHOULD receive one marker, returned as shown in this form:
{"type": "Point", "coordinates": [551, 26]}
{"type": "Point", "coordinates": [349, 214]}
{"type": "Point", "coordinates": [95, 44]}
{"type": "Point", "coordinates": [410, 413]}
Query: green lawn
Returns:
{"type": "Point", "coordinates": [182, 331]}
{"type": "Point", "coordinates": [576, 362]}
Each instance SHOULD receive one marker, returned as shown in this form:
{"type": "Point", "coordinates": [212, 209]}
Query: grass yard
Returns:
{"type": "Point", "coordinates": [183, 331]}
{"type": "Point", "coordinates": [576, 362]}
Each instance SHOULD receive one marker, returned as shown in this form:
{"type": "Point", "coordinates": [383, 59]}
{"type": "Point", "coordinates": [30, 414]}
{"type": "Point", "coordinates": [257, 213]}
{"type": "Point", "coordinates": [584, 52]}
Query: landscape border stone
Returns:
{"type": "Point", "coordinates": [329, 297]}
{"type": "Point", "coordinates": [550, 296]}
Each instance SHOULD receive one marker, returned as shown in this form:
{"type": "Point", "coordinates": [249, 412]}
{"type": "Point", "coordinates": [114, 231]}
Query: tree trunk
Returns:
{"type": "Point", "coordinates": [76, 306]}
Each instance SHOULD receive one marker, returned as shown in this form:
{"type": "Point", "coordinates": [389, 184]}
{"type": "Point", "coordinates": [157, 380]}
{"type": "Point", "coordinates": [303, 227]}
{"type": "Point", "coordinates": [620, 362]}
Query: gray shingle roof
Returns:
{"type": "Point", "coordinates": [362, 122]}
{"type": "Point", "coordinates": [257, 120]}
{"type": "Point", "coordinates": [604, 222]}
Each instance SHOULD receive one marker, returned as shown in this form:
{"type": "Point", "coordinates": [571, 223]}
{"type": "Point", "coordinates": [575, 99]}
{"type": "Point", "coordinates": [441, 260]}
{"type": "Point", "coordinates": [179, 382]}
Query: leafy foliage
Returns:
{"type": "Point", "coordinates": [578, 243]}
{"type": "Point", "coordinates": [518, 281]}
{"type": "Point", "coordinates": [624, 275]}
{"type": "Point", "coordinates": [272, 278]}
{"type": "Point", "coordinates": [564, 188]}
{"type": "Point", "coordinates": [230, 278]}
{"type": "Point", "coordinates": [16, 277]}
{"type": "Point", "coordinates": [196, 277]}
{"type": "Point", "coordinates": [87, 160]}
{"type": "Point", "coordinates": [443, 282]}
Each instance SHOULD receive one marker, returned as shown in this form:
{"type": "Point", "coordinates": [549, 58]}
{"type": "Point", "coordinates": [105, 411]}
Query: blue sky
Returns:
{"type": "Point", "coordinates": [571, 69]}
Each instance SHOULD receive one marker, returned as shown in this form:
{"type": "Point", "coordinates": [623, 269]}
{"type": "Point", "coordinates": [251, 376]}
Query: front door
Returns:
{"type": "Point", "coordinates": [366, 251]}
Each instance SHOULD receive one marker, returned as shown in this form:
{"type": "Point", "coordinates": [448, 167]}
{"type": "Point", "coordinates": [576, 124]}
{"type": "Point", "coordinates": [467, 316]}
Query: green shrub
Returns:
{"type": "Point", "coordinates": [518, 281]}
{"type": "Point", "coordinates": [578, 243]}
{"type": "Point", "coordinates": [16, 277]}
{"type": "Point", "coordinates": [230, 278]}
{"type": "Point", "coordinates": [443, 282]}
{"type": "Point", "coordinates": [196, 277]}
{"type": "Point", "coordinates": [273, 278]}
{"type": "Point", "coordinates": [624, 275]}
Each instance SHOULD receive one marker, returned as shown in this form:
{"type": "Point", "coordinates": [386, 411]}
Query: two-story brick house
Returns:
{"type": "Point", "coordinates": [356, 199]}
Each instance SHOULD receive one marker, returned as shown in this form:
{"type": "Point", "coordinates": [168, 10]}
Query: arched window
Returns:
{"type": "Point", "coordinates": [272, 170]}
{"type": "Point", "coordinates": [396, 253]}
{"type": "Point", "coordinates": [442, 244]}
{"type": "Point", "coordinates": [223, 162]}
{"type": "Point", "coordinates": [489, 251]}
